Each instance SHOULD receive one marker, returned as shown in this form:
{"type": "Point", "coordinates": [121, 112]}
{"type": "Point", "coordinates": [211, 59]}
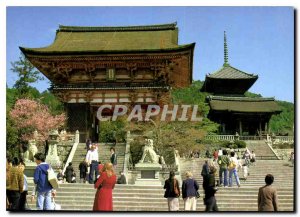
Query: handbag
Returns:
{"type": "Point", "coordinates": [52, 178]}
{"type": "Point", "coordinates": [176, 189]}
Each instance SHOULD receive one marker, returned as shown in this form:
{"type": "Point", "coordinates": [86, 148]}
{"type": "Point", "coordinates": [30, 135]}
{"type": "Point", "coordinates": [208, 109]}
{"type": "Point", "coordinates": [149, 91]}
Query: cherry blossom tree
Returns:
{"type": "Point", "coordinates": [29, 115]}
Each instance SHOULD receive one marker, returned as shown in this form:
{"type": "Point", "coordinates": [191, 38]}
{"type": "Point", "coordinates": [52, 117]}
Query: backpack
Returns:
{"type": "Point", "coordinates": [176, 191]}
{"type": "Point", "coordinates": [52, 179]}
{"type": "Point", "coordinates": [232, 165]}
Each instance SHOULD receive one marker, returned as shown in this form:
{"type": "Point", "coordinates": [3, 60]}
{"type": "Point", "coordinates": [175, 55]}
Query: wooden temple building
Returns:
{"type": "Point", "coordinates": [91, 66]}
{"type": "Point", "coordinates": [229, 106]}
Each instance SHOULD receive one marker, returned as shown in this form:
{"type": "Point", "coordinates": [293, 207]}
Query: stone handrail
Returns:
{"type": "Point", "coordinates": [284, 138]}
{"type": "Point", "coordinates": [127, 155]}
{"type": "Point", "coordinates": [73, 150]}
{"type": "Point", "coordinates": [220, 137]}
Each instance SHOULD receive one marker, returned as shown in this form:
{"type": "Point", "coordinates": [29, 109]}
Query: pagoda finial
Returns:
{"type": "Point", "coordinates": [225, 51]}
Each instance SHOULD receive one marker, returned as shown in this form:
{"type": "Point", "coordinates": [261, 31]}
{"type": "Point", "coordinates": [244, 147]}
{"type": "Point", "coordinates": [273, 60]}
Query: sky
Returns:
{"type": "Point", "coordinates": [260, 39]}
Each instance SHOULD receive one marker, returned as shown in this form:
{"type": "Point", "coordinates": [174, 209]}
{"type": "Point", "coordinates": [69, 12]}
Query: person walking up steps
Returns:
{"type": "Point", "coordinates": [189, 192]}
{"type": "Point", "coordinates": [233, 170]}
{"type": "Point", "coordinates": [223, 162]}
{"type": "Point", "coordinates": [172, 192]}
{"type": "Point", "coordinates": [83, 168]}
{"type": "Point", "coordinates": [92, 160]}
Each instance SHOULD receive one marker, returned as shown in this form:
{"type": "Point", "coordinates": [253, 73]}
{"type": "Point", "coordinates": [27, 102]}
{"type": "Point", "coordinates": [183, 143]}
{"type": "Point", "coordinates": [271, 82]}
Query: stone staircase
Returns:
{"type": "Point", "coordinates": [104, 156]}
{"type": "Point", "coordinates": [80, 197]}
{"type": "Point", "coordinates": [260, 148]}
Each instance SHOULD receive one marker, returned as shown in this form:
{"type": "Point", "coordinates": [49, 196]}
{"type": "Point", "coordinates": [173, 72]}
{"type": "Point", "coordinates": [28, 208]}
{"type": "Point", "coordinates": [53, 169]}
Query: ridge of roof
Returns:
{"type": "Point", "coordinates": [170, 26]}
{"type": "Point", "coordinates": [234, 98]}
{"type": "Point", "coordinates": [229, 72]}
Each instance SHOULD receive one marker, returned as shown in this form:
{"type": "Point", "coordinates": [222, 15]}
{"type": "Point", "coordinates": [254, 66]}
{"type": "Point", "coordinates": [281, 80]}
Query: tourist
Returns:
{"type": "Point", "coordinates": [92, 160]}
{"type": "Point", "coordinates": [83, 168]}
{"type": "Point", "coordinates": [223, 162]}
{"type": "Point", "coordinates": [113, 157]}
{"type": "Point", "coordinates": [104, 185]}
{"type": "Point", "coordinates": [267, 196]}
{"type": "Point", "coordinates": [233, 170]}
{"type": "Point", "coordinates": [60, 176]}
{"type": "Point", "coordinates": [210, 190]}
{"type": "Point", "coordinates": [122, 179]}
{"type": "Point", "coordinates": [43, 187]}
{"type": "Point", "coordinates": [88, 144]}
{"type": "Point", "coordinates": [189, 192]}
{"type": "Point", "coordinates": [69, 173]}
{"type": "Point", "coordinates": [16, 184]}
{"type": "Point", "coordinates": [215, 155]}
{"type": "Point", "coordinates": [172, 192]}
{"type": "Point", "coordinates": [204, 172]}
{"type": "Point", "coordinates": [253, 158]}
{"type": "Point", "coordinates": [23, 201]}
{"type": "Point", "coordinates": [207, 154]}
{"type": "Point", "coordinates": [247, 157]}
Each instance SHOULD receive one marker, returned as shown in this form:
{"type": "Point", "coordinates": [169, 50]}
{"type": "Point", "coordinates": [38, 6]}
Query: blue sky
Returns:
{"type": "Point", "coordinates": [260, 39]}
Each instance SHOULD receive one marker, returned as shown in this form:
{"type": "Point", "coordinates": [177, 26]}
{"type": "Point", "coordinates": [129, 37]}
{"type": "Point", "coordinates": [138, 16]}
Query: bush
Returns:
{"type": "Point", "coordinates": [112, 130]}
{"type": "Point", "coordinates": [240, 144]}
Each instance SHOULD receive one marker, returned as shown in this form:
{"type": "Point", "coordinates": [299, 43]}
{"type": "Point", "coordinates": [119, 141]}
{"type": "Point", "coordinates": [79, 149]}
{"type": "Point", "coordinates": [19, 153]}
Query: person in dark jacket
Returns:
{"type": "Point", "coordinates": [210, 190]}
{"type": "Point", "coordinates": [189, 192]}
{"type": "Point", "coordinates": [113, 157]}
{"type": "Point", "coordinates": [121, 179]}
{"type": "Point", "coordinates": [205, 172]}
{"type": "Point", "coordinates": [43, 186]}
{"type": "Point", "coordinates": [69, 173]}
{"type": "Point", "coordinates": [172, 192]}
{"type": "Point", "coordinates": [83, 169]}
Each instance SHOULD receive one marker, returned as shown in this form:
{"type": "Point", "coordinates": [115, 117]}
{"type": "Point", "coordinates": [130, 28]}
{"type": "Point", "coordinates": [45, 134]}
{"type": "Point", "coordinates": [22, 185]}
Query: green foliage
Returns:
{"type": "Point", "coordinates": [283, 122]}
{"type": "Point", "coordinates": [55, 106]}
{"type": "Point", "coordinates": [112, 130]}
{"type": "Point", "coordinates": [252, 95]}
{"type": "Point", "coordinates": [283, 146]}
{"type": "Point", "coordinates": [240, 143]}
{"type": "Point", "coordinates": [191, 96]}
{"type": "Point", "coordinates": [27, 74]}
{"type": "Point", "coordinates": [136, 149]}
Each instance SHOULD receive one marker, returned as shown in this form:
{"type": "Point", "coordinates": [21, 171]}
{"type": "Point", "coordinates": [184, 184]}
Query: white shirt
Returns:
{"type": "Point", "coordinates": [236, 162]}
{"type": "Point", "coordinates": [92, 155]}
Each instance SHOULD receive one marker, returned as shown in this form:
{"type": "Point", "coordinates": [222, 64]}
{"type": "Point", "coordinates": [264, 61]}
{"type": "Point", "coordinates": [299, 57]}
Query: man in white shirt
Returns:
{"type": "Point", "coordinates": [92, 160]}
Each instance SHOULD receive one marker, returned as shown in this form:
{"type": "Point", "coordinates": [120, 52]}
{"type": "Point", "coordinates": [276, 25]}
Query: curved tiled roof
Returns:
{"type": "Point", "coordinates": [244, 104]}
{"type": "Point", "coordinates": [229, 72]}
{"type": "Point", "coordinates": [112, 39]}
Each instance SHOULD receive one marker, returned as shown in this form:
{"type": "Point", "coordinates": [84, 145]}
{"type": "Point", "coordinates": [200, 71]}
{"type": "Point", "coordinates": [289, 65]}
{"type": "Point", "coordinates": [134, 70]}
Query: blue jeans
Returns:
{"type": "Point", "coordinates": [225, 176]}
{"type": "Point", "coordinates": [237, 180]}
{"type": "Point", "coordinates": [93, 169]}
{"type": "Point", "coordinates": [43, 201]}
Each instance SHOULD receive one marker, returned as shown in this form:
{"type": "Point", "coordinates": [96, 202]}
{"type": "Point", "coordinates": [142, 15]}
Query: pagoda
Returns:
{"type": "Point", "coordinates": [229, 106]}
{"type": "Point", "coordinates": [92, 66]}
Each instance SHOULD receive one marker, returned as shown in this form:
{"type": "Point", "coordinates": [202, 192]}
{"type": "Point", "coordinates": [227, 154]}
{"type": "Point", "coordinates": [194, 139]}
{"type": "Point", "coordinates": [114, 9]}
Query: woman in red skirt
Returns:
{"type": "Point", "coordinates": [104, 185]}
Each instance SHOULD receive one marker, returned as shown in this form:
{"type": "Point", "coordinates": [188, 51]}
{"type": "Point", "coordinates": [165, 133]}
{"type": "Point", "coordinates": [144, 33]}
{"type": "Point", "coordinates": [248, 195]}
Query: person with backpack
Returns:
{"type": "Point", "coordinates": [233, 170]}
{"type": "Point", "coordinates": [223, 162]}
{"type": "Point", "coordinates": [172, 192]}
{"type": "Point", "coordinates": [43, 186]}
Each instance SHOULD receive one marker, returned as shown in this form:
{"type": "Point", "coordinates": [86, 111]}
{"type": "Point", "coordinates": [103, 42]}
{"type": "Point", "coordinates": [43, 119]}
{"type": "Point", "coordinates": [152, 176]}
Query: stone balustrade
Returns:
{"type": "Point", "coordinates": [220, 137]}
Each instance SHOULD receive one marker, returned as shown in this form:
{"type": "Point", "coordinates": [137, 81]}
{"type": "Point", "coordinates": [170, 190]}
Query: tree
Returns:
{"type": "Point", "coordinates": [27, 74]}
{"type": "Point", "coordinates": [29, 115]}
